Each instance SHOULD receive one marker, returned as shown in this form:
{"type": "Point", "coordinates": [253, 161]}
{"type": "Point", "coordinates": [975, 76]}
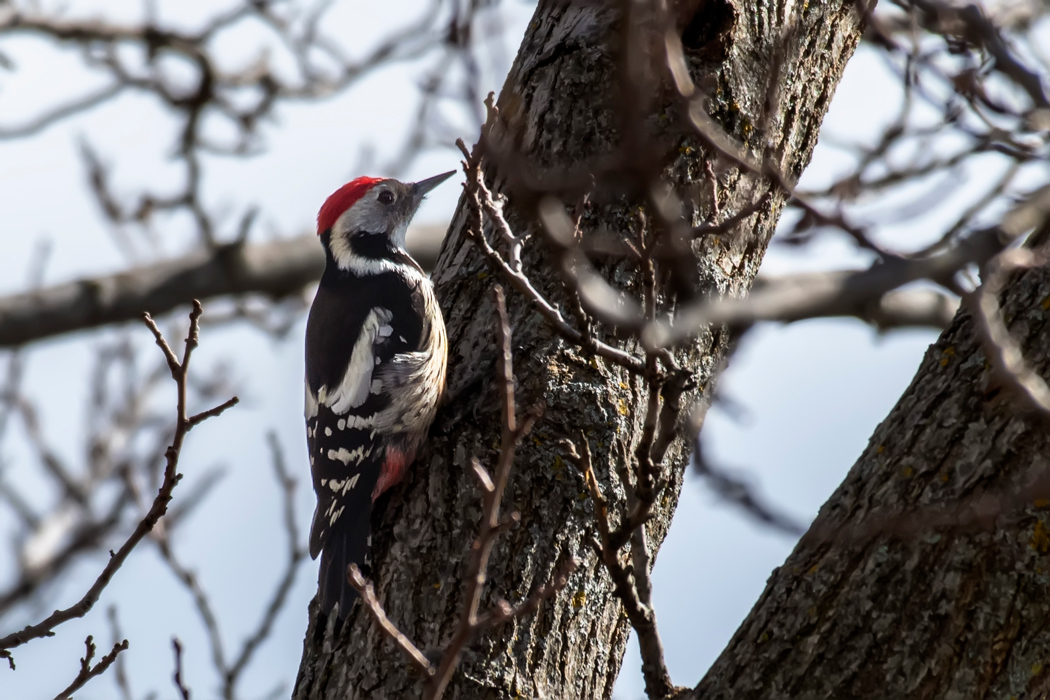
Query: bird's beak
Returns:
{"type": "Point", "coordinates": [419, 189]}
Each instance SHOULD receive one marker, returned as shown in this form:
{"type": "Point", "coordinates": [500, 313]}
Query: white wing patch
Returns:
{"type": "Point", "coordinates": [341, 486]}
{"type": "Point", "coordinates": [334, 515]}
{"type": "Point", "coordinates": [353, 389]}
{"type": "Point", "coordinates": [351, 422]}
{"type": "Point", "coordinates": [345, 456]}
{"type": "Point", "coordinates": [310, 403]}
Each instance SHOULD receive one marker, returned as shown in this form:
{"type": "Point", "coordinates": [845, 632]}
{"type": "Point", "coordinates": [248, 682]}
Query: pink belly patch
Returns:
{"type": "Point", "coordinates": [392, 471]}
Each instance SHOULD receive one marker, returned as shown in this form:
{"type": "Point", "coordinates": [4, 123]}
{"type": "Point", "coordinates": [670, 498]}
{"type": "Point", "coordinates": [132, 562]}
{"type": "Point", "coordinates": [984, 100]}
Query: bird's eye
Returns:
{"type": "Point", "coordinates": [386, 197]}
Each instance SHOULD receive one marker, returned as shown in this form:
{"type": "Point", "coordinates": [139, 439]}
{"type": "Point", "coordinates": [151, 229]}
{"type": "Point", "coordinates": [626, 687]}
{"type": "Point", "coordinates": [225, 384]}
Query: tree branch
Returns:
{"type": "Point", "coordinates": [180, 373]}
{"type": "Point", "coordinates": [275, 270]}
{"type": "Point", "coordinates": [87, 671]}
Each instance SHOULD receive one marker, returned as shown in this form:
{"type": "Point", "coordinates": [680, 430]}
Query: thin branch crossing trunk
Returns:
{"type": "Point", "coordinates": [562, 120]}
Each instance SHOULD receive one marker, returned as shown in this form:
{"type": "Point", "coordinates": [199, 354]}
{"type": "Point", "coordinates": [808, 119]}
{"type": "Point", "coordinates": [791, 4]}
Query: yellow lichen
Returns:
{"type": "Point", "coordinates": [1040, 541]}
{"type": "Point", "coordinates": [579, 600]}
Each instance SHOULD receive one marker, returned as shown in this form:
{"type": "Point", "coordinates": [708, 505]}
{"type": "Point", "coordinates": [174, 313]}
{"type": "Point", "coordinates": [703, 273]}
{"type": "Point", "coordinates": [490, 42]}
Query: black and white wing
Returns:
{"type": "Point", "coordinates": [350, 340]}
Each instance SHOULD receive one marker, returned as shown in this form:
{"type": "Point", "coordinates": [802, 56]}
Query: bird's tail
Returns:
{"type": "Point", "coordinates": [349, 543]}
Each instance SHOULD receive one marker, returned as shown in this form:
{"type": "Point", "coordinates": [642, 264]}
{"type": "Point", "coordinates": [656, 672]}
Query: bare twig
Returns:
{"type": "Point", "coordinates": [732, 490]}
{"type": "Point", "coordinates": [87, 671]}
{"type": "Point", "coordinates": [718, 228]}
{"type": "Point", "coordinates": [375, 609]}
{"type": "Point", "coordinates": [504, 611]}
{"type": "Point", "coordinates": [176, 677]}
{"type": "Point", "coordinates": [815, 295]}
{"type": "Point", "coordinates": [120, 676]}
{"type": "Point", "coordinates": [179, 373]}
{"type": "Point", "coordinates": [241, 98]}
{"type": "Point", "coordinates": [491, 496]}
{"type": "Point", "coordinates": [483, 206]}
{"type": "Point", "coordinates": [471, 621]}
{"type": "Point", "coordinates": [188, 578]}
{"type": "Point", "coordinates": [296, 555]}
{"type": "Point", "coordinates": [231, 673]}
{"type": "Point", "coordinates": [1003, 351]}
{"type": "Point", "coordinates": [642, 616]}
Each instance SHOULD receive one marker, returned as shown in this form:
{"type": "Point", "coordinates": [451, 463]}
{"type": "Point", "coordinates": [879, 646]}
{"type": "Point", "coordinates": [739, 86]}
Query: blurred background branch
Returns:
{"type": "Point", "coordinates": [925, 204]}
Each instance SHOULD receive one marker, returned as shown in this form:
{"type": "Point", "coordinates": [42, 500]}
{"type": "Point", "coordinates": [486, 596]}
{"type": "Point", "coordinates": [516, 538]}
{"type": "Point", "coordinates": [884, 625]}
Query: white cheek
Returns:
{"type": "Point", "coordinates": [339, 243]}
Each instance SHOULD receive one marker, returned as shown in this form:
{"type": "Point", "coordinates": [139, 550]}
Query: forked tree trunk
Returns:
{"type": "Point", "coordinates": [926, 574]}
{"type": "Point", "coordinates": [560, 112]}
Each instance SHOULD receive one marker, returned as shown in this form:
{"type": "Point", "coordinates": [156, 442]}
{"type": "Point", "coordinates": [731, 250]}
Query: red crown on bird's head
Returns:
{"type": "Point", "coordinates": [341, 200]}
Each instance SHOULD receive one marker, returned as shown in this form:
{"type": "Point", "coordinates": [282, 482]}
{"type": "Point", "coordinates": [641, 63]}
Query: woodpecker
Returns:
{"type": "Point", "coordinates": [375, 369]}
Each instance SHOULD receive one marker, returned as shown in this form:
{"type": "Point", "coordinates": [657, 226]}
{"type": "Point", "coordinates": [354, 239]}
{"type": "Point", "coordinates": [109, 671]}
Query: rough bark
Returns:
{"type": "Point", "coordinates": [559, 107]}
{"type": "Point", "coordinates": [925, 574]}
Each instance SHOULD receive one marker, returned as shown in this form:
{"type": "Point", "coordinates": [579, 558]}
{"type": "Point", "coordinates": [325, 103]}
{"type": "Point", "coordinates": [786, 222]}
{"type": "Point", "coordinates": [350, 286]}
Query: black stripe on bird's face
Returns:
{"type": "Point", "coordinates": [376, 246]}
{"type": "Point", "coordinates": [363, 253]}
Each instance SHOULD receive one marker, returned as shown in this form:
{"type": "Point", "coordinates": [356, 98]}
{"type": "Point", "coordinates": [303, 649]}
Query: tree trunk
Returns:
{"type": "Point", "coordinates": [562, 110]}
{"type": "Point", "coordinates": [925, 574]}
